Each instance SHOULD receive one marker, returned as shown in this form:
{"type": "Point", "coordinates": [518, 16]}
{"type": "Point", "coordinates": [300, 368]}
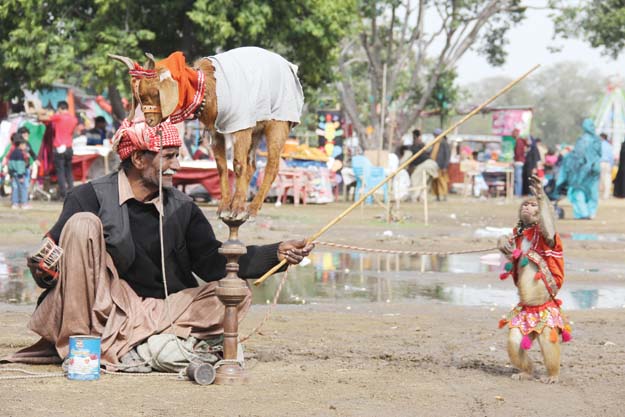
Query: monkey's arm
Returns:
{"type": "Point", "coordinates": [546, 220]}
{"type": "Point", "coordinates": [505, 245]}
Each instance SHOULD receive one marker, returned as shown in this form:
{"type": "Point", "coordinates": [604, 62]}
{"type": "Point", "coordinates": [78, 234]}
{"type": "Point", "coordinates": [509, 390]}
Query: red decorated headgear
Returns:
{"type": "Point", "coordinates": [138, 136]}
{"type": "Point", "coordinates": [190, 84]}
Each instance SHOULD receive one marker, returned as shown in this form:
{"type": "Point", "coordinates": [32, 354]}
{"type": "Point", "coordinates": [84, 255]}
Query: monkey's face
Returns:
{"type": "Point", "coordinates": [529, 211]}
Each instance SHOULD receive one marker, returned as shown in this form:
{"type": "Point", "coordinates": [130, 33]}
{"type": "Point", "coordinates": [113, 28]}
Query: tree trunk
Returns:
{"type": "Point", "coordinates": [188, 43]}
{"type": "Point", "coordinates": [116, 103]}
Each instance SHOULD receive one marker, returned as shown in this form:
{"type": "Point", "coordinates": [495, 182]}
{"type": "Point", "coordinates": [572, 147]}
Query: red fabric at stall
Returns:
{"type": "Point", "coordinates": [81, 165]}
{"type": "Point", "coordinates": [208, 177]}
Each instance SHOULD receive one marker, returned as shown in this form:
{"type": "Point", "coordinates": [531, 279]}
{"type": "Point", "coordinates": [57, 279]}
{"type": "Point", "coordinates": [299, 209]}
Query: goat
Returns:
{"type": "Point", "coordinates": [248, 92]}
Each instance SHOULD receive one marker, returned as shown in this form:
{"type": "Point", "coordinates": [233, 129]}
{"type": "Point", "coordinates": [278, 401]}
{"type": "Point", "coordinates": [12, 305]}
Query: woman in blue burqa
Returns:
{"type": "Point", "coordinates": [580, 173]}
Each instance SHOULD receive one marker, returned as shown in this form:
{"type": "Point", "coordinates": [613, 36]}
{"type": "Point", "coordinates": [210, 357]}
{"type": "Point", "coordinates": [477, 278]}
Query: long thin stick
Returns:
{"type": "Point", "coordinates": [425, 199]}
{"type": "Point", "coordinates": [402, 166]}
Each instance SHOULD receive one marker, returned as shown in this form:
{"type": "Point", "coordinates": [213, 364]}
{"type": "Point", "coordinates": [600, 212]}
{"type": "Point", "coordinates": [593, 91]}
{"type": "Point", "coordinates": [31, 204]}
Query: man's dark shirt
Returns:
{"type": "Point", "coordinates": [444, 154]}
{"type": "Point", "coordinates": [414, 149]}
{"type": "Point", "coordinates": [96, 136]}
{"type": "Point", "coordinates": [144, 275]}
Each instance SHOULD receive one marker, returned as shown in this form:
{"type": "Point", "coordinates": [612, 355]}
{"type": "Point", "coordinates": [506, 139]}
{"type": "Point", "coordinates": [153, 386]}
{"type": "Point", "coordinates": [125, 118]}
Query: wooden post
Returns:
{"type": "Point", "coordinates": [397, 262]}
{"type": "Point", "coordinates": [106, 163]}
{"type": "Point", "coordinates": [389, 207]}
{"type": "Point", "coordinates": [425, 198]}
{"type": "Point", "coordinates": [509, 184]}
{"type": "Point", "coordinates": [382, 116]}
{"type": "Point", "coordinates": [231, 291]}
{"type": "Point", "coordinates": [391, 188]}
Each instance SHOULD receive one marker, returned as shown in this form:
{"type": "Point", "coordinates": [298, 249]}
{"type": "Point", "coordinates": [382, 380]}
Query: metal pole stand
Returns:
{"type": "Point", "coordinates": [231, 291]}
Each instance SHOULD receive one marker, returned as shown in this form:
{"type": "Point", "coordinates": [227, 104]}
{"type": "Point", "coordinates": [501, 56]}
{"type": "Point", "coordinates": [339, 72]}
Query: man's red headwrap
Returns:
{"type": "Point", "coordinates": [138, 136]}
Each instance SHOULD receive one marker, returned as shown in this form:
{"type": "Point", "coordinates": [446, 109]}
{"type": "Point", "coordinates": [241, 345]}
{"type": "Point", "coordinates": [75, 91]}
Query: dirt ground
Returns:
{"type": "Point", "coordinates": [361, 358]}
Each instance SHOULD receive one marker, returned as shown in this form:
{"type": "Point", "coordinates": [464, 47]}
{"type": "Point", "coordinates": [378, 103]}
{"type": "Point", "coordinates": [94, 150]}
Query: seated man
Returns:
{"type": "Point", "coordinates": [110, 281]}
{"type": "Point", "coordinates": [97, 134]}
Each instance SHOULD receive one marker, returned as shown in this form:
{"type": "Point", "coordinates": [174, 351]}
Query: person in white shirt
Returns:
{"type": "Point", "coordinates": [607, 162]}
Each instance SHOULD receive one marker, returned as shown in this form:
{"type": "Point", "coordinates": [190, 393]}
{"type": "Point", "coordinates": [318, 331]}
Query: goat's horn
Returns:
{"type": "Point", "coordinates": [151, 61]}
{"type": "Point", "coordinates": [124, 60]}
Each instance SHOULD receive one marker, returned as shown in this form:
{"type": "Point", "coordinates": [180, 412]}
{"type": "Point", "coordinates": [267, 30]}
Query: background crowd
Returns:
{"type": "Point", "coordinates": [585, 172]}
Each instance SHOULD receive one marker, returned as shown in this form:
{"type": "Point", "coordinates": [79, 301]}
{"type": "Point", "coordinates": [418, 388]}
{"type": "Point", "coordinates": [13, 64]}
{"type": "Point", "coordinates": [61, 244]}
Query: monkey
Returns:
{"type": "Point", "coordinates": [537, 267]}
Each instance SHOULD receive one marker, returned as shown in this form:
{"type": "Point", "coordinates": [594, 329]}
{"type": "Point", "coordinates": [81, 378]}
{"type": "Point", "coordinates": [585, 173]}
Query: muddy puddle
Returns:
{"type": "Point", "coordinates": [356, 277]}
{"type": "Point", "coordinates": [495, 232]}
{"type": "Point", "coordinates": [344, 277]}
{"type": "Point", "coordinates": [594, 237]}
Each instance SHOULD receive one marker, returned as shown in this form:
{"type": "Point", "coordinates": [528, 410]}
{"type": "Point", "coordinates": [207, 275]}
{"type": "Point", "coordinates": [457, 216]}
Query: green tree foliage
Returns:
{"type": "Point", "coordinates": [45, 41]}
{"type": "Point", "coordinates": [601, 23]}
{"type": "Point", "coordinates": [445, 94]}
{"type": "Point", "coordinates": [306, 32]}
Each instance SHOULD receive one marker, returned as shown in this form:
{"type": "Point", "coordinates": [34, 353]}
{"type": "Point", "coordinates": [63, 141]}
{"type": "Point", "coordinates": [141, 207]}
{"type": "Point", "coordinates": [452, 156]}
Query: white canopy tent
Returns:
{"type": "Point", "coordinates": [610, 114]}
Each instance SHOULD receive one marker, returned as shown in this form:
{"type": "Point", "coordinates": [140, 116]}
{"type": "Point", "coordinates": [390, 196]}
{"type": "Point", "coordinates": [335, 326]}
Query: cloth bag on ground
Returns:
{"type": "Point", "coordinates": [163, 353]}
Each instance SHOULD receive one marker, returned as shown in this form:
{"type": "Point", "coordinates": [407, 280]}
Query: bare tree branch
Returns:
{"type": "Point", "coordinates": [389, 46]}
{"type": "Point", "coordinates": [409, 44]}
{"type": "Point", "coordinates": [414, 60]}
{"type": "Point", "coordinates": [348, 98]}
{"type": "Point", "coordinates": [482, 18]}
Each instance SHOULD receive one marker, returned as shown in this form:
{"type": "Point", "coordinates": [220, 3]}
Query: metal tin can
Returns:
{"type": "Point", "coordinates": [201, 373]}
{"type": "Point", "coordinates": [84, 358]}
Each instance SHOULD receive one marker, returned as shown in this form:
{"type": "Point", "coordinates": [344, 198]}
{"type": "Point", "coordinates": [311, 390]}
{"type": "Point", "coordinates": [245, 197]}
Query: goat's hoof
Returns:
{"type": "Point", "coordinates": [233, 216]}
{"type": "Point", "coordinates": [241, 216]}
{"type": "Point", "coordinates": [253, 209]}
{"type": "Point", "coordinates": [223, 214]}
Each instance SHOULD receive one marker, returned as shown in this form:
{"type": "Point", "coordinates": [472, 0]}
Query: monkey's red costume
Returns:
{"type": "Point", "coordinates": [530, 246]}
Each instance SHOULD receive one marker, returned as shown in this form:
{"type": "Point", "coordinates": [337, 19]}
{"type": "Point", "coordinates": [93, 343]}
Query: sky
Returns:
{"type": "Point", "coordinates": [528, 45]}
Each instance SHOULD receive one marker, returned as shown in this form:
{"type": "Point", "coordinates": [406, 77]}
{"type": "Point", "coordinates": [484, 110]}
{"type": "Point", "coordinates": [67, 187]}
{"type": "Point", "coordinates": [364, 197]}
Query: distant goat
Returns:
{"type": "Point", "coordinates": [245, 92]}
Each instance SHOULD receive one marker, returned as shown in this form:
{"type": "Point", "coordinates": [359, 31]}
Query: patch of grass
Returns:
{"type": "Point", "coordinates": [7, 228]}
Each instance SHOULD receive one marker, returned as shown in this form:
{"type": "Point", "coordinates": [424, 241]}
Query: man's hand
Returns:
{"type": "Point", "coordinates": [44, 115]}
{"type": "Point", "coordinates": [505, 245]}
{"type": "Point", "coordinates": [294, 251]}
{"type": "Point", "coordinates": [41, 277]}
{"type": "Point", "coordinates": [536, 187]}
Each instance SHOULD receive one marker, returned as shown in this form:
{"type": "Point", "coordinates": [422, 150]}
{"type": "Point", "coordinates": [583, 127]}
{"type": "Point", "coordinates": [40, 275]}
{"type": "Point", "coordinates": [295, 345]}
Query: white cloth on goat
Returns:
{"type": "Point", "coordinates": [253, 85]}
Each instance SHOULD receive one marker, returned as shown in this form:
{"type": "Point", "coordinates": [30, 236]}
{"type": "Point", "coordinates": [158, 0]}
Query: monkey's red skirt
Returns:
{"type": "Point", "coordinates": [535, 318]}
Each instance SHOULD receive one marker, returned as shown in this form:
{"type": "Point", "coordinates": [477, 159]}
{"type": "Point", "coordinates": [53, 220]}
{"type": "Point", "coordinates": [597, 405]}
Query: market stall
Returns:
{"type": "Point", "coordinates": [202, 172]}
{"type": "Point", "coordinates": [479, 165]}
{"type": "Point", "coordinates": [101, 159]}
{"type": "Point", "coordinates": [304, 175]}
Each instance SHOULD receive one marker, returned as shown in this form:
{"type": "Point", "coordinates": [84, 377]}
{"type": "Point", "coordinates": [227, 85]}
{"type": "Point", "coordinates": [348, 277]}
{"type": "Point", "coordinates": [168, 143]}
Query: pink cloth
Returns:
{"type": "Point", "coordinates": [551, 159]}
{"type": "Point", "coordinates": [535, 319]}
